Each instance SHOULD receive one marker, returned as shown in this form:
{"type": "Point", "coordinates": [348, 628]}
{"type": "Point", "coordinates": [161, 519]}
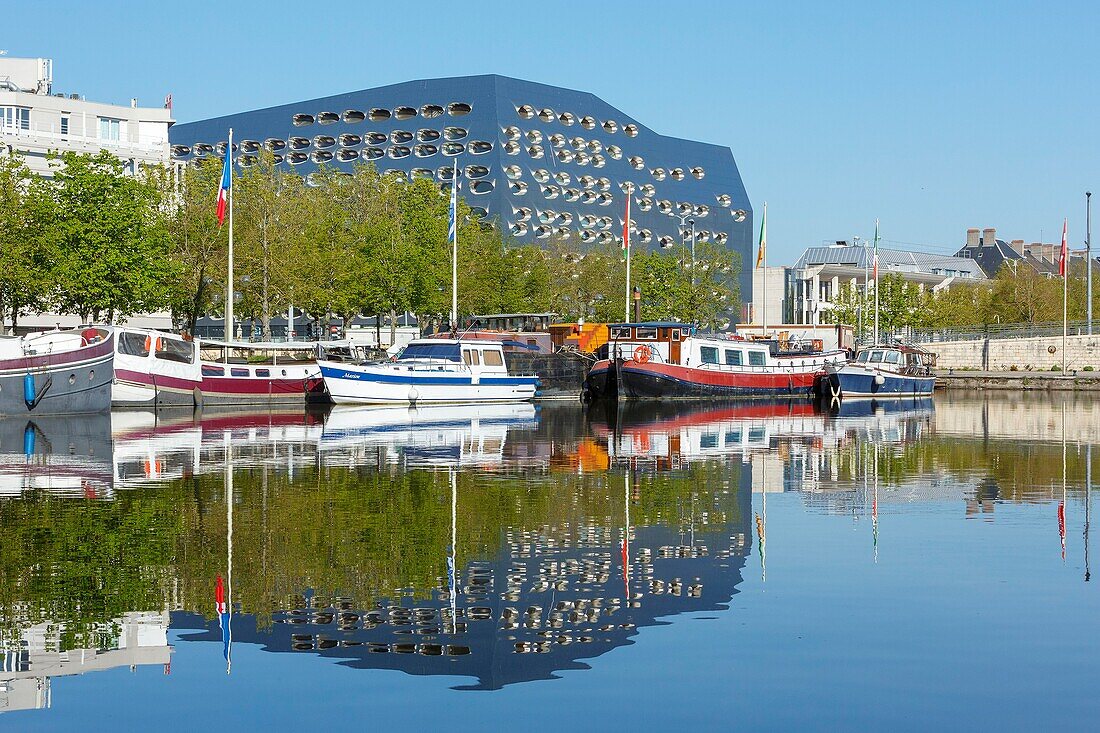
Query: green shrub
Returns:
{"type": "Point", "coordinates": [1056, 368]}
{"type": "Point", "coordinates": [1086, 368]}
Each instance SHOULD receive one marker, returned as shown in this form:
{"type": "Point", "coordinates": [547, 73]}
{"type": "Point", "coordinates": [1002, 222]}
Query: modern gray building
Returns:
{"type": "Point", "coordinates": [542, 161]}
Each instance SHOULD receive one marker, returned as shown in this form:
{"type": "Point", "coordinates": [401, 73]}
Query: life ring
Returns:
{"type": "Point", "coordinates": [641, 354]}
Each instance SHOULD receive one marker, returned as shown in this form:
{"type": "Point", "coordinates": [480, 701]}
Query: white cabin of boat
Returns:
{"type": "Point", "coordinates": [899, 359]}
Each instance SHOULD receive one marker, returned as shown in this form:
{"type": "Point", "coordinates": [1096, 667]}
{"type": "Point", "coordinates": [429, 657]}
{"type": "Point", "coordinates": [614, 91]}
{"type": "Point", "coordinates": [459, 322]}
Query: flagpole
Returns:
{"type": "Point", "coordinates": [764, 305]}
{"type": "Point", "coordinates": [875, 339]}
{"type": "Point", "coordinates": [230, 331]}
{"type": "Point", "coordinates": [1065, 292]}
{"type": "Point", "coordinates": [454, 248]}
{"type": "Point", "coordinates": [626, 246]}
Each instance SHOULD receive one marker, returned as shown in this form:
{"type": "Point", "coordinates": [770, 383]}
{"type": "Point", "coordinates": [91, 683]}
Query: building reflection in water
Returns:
{"type": "Point", "coordinates": [500, 543]}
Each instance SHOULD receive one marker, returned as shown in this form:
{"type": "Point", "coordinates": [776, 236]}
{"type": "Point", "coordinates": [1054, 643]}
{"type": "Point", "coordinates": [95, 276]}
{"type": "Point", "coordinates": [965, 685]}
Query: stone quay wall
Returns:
{"type": "Point", "coordinates": [1017, 354]}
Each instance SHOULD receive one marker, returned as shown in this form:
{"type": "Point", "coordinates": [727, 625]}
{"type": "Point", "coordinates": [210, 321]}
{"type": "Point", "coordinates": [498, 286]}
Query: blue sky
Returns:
{"type": "Point", "coordinates": [931, 116]}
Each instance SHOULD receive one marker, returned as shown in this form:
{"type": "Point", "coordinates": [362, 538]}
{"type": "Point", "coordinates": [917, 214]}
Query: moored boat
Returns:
{"type": "Point", "coordinates": [56, 372]}
{"type": "Point", "coordinates": [155, 369]}
{"type": "Point", "coordinates": [884, 372]}
{"type": "Point", "coordinates": [668, 361]}
{"type": "Point", "coordinates": [258, 373]}
{"type": "Point", "coordinates": [430, 371]}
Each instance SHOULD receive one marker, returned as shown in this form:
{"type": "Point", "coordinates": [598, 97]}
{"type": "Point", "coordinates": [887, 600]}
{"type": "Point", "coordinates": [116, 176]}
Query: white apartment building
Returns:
{"type": "Point", "coordinates": [34, 120]}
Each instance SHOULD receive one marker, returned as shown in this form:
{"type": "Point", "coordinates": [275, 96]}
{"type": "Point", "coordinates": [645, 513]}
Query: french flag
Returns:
{"type": "Point", "coordinates": [227, 181]}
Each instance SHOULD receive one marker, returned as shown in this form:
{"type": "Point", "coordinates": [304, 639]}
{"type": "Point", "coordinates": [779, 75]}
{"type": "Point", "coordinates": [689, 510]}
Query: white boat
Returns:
{"type": "Point", "coordinates": [430, 371]}
{"type": "Point", "coordinates": [884, 372]}
{"type": "Point", "coordinates": [154, 369]}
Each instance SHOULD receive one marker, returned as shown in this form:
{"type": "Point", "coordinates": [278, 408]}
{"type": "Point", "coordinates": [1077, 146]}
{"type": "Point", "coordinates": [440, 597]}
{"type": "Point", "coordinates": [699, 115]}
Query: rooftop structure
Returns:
{"type": "Point", "coordinates": [991, 253]}
{"type": "Point", "coordinates": [545, 162]}
{"type": "Point", "coordinates": [816, 278]}
{"type": "Point", "coordinates": [34, 120]}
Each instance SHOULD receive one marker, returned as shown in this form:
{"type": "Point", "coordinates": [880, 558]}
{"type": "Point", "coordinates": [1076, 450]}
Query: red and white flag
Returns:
{"type": "Point", "coordinates": [1062, 259]}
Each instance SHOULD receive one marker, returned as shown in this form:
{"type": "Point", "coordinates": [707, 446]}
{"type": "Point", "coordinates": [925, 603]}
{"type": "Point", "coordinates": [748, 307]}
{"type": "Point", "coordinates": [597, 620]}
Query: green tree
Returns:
{"type": "Point", "coordinates": [109, 244]}
{"type": "Point", "coordinates": [198, 247]}
{"type": "Point", "coordinates": [26, 276]}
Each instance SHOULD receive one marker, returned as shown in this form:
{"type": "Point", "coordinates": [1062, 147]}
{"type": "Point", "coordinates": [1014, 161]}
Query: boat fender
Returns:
{"type": "Point", "coordinates": [413, 394]}
{"type": "Point", "coordinates": [31, 395]}
{"type": "Point", "coordinates": [28, 440]}
{"type": "Point", "coordinates": [880, 380]}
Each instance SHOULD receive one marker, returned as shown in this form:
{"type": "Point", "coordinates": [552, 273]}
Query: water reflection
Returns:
{"type": "Point", "coordinates": [502, 544]}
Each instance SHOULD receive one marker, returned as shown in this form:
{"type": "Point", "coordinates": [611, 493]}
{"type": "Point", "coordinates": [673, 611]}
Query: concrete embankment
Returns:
{"type": "Point", "coordinates": [1034, 354]}
{"type": "Point", "coordinates": [1020, 381]}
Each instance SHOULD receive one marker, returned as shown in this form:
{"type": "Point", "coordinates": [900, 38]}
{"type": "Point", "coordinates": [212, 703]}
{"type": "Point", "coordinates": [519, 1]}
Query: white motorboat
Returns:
{"type": "Point", "coordinates": [430, 371]}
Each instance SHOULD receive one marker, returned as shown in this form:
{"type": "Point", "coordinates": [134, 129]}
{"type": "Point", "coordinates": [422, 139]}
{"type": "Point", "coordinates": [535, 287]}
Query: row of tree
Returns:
{"type": "Point", "coordinates": [98, 242]}
{"type": "Point", "coordinates": [1018, 294]}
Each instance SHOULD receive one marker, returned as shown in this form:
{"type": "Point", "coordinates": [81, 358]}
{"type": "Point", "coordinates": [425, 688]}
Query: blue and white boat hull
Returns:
{"type": "Point", "coordinates": [853, 381]}
{"type": "Point", "coordinates": [389, 383]}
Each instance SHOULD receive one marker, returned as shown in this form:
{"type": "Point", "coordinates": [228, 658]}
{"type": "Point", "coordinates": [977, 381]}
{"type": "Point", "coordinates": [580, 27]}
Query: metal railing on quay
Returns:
{"type": "Point", "coordinates": [999, 331]}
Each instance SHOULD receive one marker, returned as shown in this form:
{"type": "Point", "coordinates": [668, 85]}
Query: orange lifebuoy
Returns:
{"type": "Point", "coordinates": [641, 354]}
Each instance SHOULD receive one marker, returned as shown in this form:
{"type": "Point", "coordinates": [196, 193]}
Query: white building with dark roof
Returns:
{"type": "Point", "coordinates": [816, 278]}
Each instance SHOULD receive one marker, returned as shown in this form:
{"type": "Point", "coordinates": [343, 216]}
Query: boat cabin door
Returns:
{"type": "Point", "coordinates": [673, 345]}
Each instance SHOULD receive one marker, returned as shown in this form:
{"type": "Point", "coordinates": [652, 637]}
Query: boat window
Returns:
{"type": "Point", "coordinates": [133, 344]}
{"type": "Point", "coordinates": [212, 371]}
{"type": "Point", "coordinates": [756, 358]}
{"type": "Point", "coordinates": [448, 352]}
{"type": "Point", "coordinates": [263, 372]}
{"type": "Point", "coordinates": [709, 441]}
{"type": "Point", "coordinates": [675, 334]}
{"type": "Point", "coordinates": [876, 357]}
{"type": "Point", "coordinates": [493, 358]}
{"type": "Point", "coordinates": [863, 356]}
{"type": "Point", "coordinates": [892, 357]}
{"type": "Point", "coordinates": [733, 438]}
{"type": "Point", "coordinates": [238, 372]}
{"type": "Point", "coordinates": [733, 357]}
{"type": "Point", "coordinates": [756, 435]}
{"type": "Point", "coordinates": [708, 354]}
{"type": "Point", "coordinates": [620, 332]}
{"type": "Point", "coordinates": [646, 333]}
{"type": "Point", "coordinates": [174, 350]}
{"type": "Point", "coordinates": [470, 357]}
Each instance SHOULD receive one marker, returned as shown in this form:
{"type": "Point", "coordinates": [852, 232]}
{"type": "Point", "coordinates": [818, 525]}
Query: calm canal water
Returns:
{"type": "Point", "coordinates": [694, 567]}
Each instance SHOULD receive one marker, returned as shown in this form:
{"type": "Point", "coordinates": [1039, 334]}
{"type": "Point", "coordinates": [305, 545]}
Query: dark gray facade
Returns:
{"type": "Point", "coordinates": [542, 161]}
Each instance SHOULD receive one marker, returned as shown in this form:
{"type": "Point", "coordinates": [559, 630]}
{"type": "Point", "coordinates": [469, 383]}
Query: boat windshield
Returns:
{"type": "Point", "coordinates": [863, 356]}
{"type": "Point", "coordinates": [445, 352]}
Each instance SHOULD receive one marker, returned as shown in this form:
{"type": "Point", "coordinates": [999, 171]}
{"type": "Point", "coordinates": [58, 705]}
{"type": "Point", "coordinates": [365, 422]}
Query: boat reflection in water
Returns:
{"type": "Point", "coordinates": [445, 436]}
